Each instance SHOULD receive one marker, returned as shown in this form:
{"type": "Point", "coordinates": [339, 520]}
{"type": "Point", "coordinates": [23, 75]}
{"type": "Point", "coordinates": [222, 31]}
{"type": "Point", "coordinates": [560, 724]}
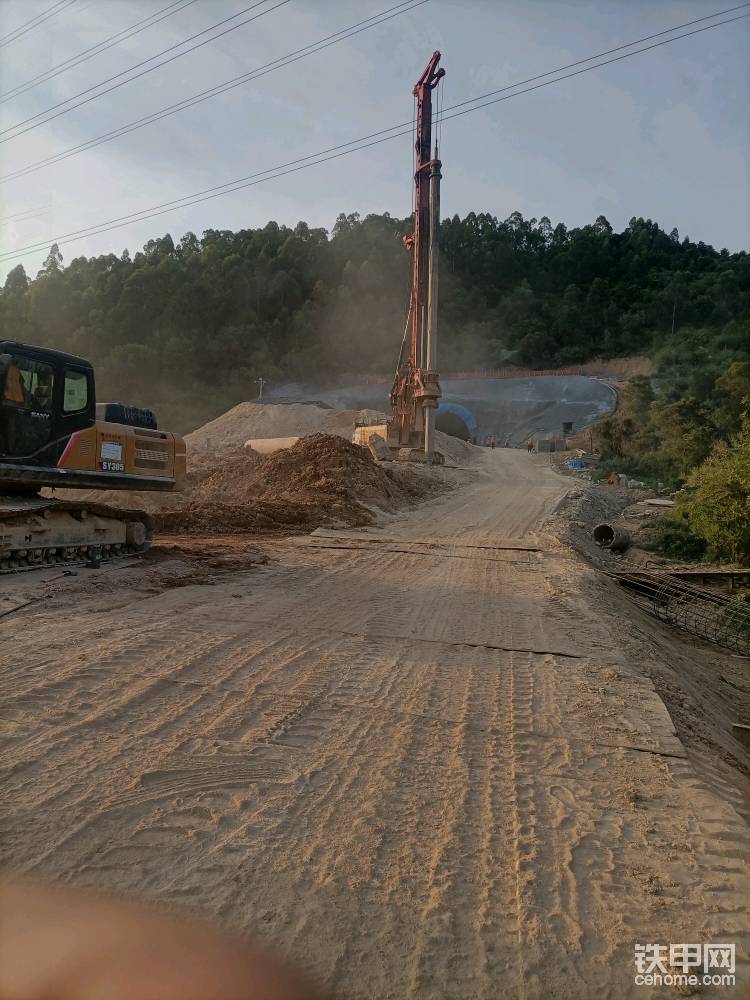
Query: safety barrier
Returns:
{"type": "Point", "coordinates": [510, 373]}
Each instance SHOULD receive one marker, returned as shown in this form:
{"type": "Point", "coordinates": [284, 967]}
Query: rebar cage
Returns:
{"type": "Point", "coordinates": [719, 618]}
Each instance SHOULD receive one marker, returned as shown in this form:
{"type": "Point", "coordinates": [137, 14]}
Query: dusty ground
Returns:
{"type": "Point", "coordinates": [425, 759]}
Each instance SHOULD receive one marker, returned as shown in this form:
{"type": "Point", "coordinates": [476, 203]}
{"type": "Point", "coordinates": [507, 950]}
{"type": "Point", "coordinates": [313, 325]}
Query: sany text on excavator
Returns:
{"type": "Point", "coordinates": [53, 434]}
{"type": "Point", "coordinates": [416, 389]}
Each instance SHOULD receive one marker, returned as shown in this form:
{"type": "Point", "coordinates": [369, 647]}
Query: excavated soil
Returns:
{"type": "Point", "coordinates": [321, 480]}
{"type": "Point", "coordinates": [324, 480]}
{"type": "Point", "coordinates": [217, 458]}
{"type": "Point", "coordinates": [232, 429]}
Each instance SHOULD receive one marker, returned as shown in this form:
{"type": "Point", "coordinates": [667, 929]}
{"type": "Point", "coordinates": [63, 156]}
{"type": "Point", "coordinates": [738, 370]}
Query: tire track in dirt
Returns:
{"type": "Point", "coordinates": [348, 752]}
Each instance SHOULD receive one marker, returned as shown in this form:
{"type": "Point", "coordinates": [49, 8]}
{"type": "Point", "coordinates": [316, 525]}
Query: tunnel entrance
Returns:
{"type": "Point", "coordinates": [451, 423]}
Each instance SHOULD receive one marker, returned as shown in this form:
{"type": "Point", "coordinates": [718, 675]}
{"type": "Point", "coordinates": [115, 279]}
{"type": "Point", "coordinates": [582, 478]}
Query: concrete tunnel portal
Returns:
{"type": "Point", "coordinates": [455, 419]}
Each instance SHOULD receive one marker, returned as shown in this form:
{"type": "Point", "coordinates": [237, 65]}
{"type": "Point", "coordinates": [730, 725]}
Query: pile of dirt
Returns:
{"type": "Point", "coordinates": [325, 465]}
{"type": "Point", "coordinates": [269, 420]}
{"type": "Point", "coordinates": [256, 517]}
{"type": "Point", "coordinates": [322, 480]}
{"type": "Point", "coordinates": [227, 477]}
{"type": "Point", "coordinates": [217, 449]}
{"type": "Point", "coordinates": [456, 451]}
{"type": "Point", "coordinates": [580, 510]}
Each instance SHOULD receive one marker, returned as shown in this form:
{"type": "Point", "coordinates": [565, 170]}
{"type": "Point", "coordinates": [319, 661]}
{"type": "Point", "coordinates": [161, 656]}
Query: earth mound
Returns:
{"type": "Point", "coordinates": [322, 480]}
{"type": "Point", "coordinates": [323, 464]}
{"type": "Point", "coordinates": [269, 420]}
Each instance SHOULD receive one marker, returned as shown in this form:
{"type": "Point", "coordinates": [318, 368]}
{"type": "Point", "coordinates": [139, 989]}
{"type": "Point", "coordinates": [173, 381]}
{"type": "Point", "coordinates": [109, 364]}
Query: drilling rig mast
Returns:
{"type": "Point", "coordinates": [416, 390]}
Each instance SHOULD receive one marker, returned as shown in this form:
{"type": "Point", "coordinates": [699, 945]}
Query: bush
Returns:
{"type": "Point", "coordinates": [648, 469]}
{"type": "Point", "coordinates": [673, 539]}
{"type": "Point", "coordinates": [717, 502]}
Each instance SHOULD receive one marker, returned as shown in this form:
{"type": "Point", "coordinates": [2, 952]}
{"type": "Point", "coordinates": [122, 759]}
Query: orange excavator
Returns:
{"type": "Point", "coordinates": [54, 435]}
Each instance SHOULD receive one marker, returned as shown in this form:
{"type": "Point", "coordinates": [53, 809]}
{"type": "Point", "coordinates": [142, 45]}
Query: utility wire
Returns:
{"type": "Point", "coordinates": [31, 20]}
{"type": "Point", "coordinates": [282, 61]}
{"type": "Point", "coordinates": [294, 166]}
{"type": "Point", "coordinates": [34, 22]}
{"type": "Point", "coordinates": [334, 152]}
{"type": "Point", "coordinates": [35, 124]}
{"type": "Point", "coordinates": [578, 72]}
{"type": "Point", "coordinates": [618, 48]}
{"type": "Point", "coordinates": [81, 57]}
{"type": "Point", "coordinates": [27, 213]}
{"type": "Point", "coordinates": [261, 70]}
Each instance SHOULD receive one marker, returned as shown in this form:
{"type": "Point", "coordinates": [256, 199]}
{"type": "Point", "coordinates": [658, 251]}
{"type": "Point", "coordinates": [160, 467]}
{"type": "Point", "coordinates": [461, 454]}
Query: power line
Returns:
{"type": "Point", "coordinates": [31, 213]}
{"type": "Point", "coordinates": [81, 57]}
{"type": "Point", "coordinates": [324, 156]}
{"type": "Point", "coordinates": [122, 83]}
{"type": "Point", "coordinates": [339, 36]}
{"type": "Point", "coordinates": [586, 69]}
{"type": "Point", "coordinates": [34, 22]}
{"type": "Point", "coordinates": [300, 163]}
{"type": "Point", "coordinates": [278, 63]}
{"type": "Point", "coordinates": [618, 48]}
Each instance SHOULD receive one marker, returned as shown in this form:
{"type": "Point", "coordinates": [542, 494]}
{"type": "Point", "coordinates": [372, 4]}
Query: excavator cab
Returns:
{"type": "Point", "coordinates": [45, 396]}
{"type": "Point", "coordinates": [53, 435]}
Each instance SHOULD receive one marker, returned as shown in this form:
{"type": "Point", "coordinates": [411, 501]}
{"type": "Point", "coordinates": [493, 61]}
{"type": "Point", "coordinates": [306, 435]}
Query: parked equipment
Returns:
{"type": "Point", "coordinates": [416, 389]}
{"type": "Point", "coordinates": [52, 434]}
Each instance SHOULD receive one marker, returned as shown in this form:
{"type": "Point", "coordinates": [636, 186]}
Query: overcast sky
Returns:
{"type": "Point", "coordinates": [664, 134]}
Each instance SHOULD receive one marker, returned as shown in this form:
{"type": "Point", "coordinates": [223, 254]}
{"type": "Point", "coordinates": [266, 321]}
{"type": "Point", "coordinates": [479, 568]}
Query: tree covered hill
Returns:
{"type": "Point", "coordinates": [186, 327]}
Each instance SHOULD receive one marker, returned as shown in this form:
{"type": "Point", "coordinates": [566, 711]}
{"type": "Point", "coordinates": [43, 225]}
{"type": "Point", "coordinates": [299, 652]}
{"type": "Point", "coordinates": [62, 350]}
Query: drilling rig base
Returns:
{"type": "Point", "coordinates": [413, 455]}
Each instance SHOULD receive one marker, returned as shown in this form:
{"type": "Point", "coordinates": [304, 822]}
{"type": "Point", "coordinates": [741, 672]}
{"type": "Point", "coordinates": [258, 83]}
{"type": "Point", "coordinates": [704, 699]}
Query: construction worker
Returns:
{"type": "Point", "coordinates": [13, 390]}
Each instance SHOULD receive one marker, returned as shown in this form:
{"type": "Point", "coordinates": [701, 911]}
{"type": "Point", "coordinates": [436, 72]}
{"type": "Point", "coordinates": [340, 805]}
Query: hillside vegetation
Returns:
{"type": "Point", "coordinates": [187, 326]}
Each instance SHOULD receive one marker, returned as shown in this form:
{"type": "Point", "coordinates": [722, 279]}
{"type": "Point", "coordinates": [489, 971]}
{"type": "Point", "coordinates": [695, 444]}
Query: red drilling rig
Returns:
{"type": "Point", "coordinates": [416, 390]}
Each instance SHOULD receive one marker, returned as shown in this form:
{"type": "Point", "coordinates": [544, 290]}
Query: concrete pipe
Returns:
{"type": "Point", "coordinates": [267, 446]}
{"type": "Point", "coordinates": [608, 537]}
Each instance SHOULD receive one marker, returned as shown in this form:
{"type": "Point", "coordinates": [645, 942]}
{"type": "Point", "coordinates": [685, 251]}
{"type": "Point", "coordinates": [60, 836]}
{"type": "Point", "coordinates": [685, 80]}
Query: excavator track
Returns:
{"type": "Point", "coordinates": [38, 532]}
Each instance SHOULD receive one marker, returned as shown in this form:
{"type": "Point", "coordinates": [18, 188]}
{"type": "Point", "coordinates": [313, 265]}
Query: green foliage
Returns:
{"type": "Point", "coordinates": [191, 323]}
{"type": "Point", "coordinates": [684, 431]}
{"type": "Point", "coordinates": [716, 503]}
{"type": "Point", "coordinates": [647, 469]}
{"type": "Point", "coordinates": [666, 426]}
{"type": "Point", "coordinates": [672, 538]}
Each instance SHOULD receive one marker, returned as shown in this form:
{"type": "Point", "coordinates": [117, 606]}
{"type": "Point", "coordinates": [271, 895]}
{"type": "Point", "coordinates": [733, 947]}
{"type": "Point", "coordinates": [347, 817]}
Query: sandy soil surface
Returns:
{"type": "Point", "coordinates": [269, 420]}
{"type": "Point", "coordinates": [424, 758]}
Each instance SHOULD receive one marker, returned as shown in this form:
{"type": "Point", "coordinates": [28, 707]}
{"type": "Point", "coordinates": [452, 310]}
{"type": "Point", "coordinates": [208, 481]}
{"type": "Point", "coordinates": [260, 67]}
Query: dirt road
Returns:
{"type": "Point", "coordinates": [413, 757]}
